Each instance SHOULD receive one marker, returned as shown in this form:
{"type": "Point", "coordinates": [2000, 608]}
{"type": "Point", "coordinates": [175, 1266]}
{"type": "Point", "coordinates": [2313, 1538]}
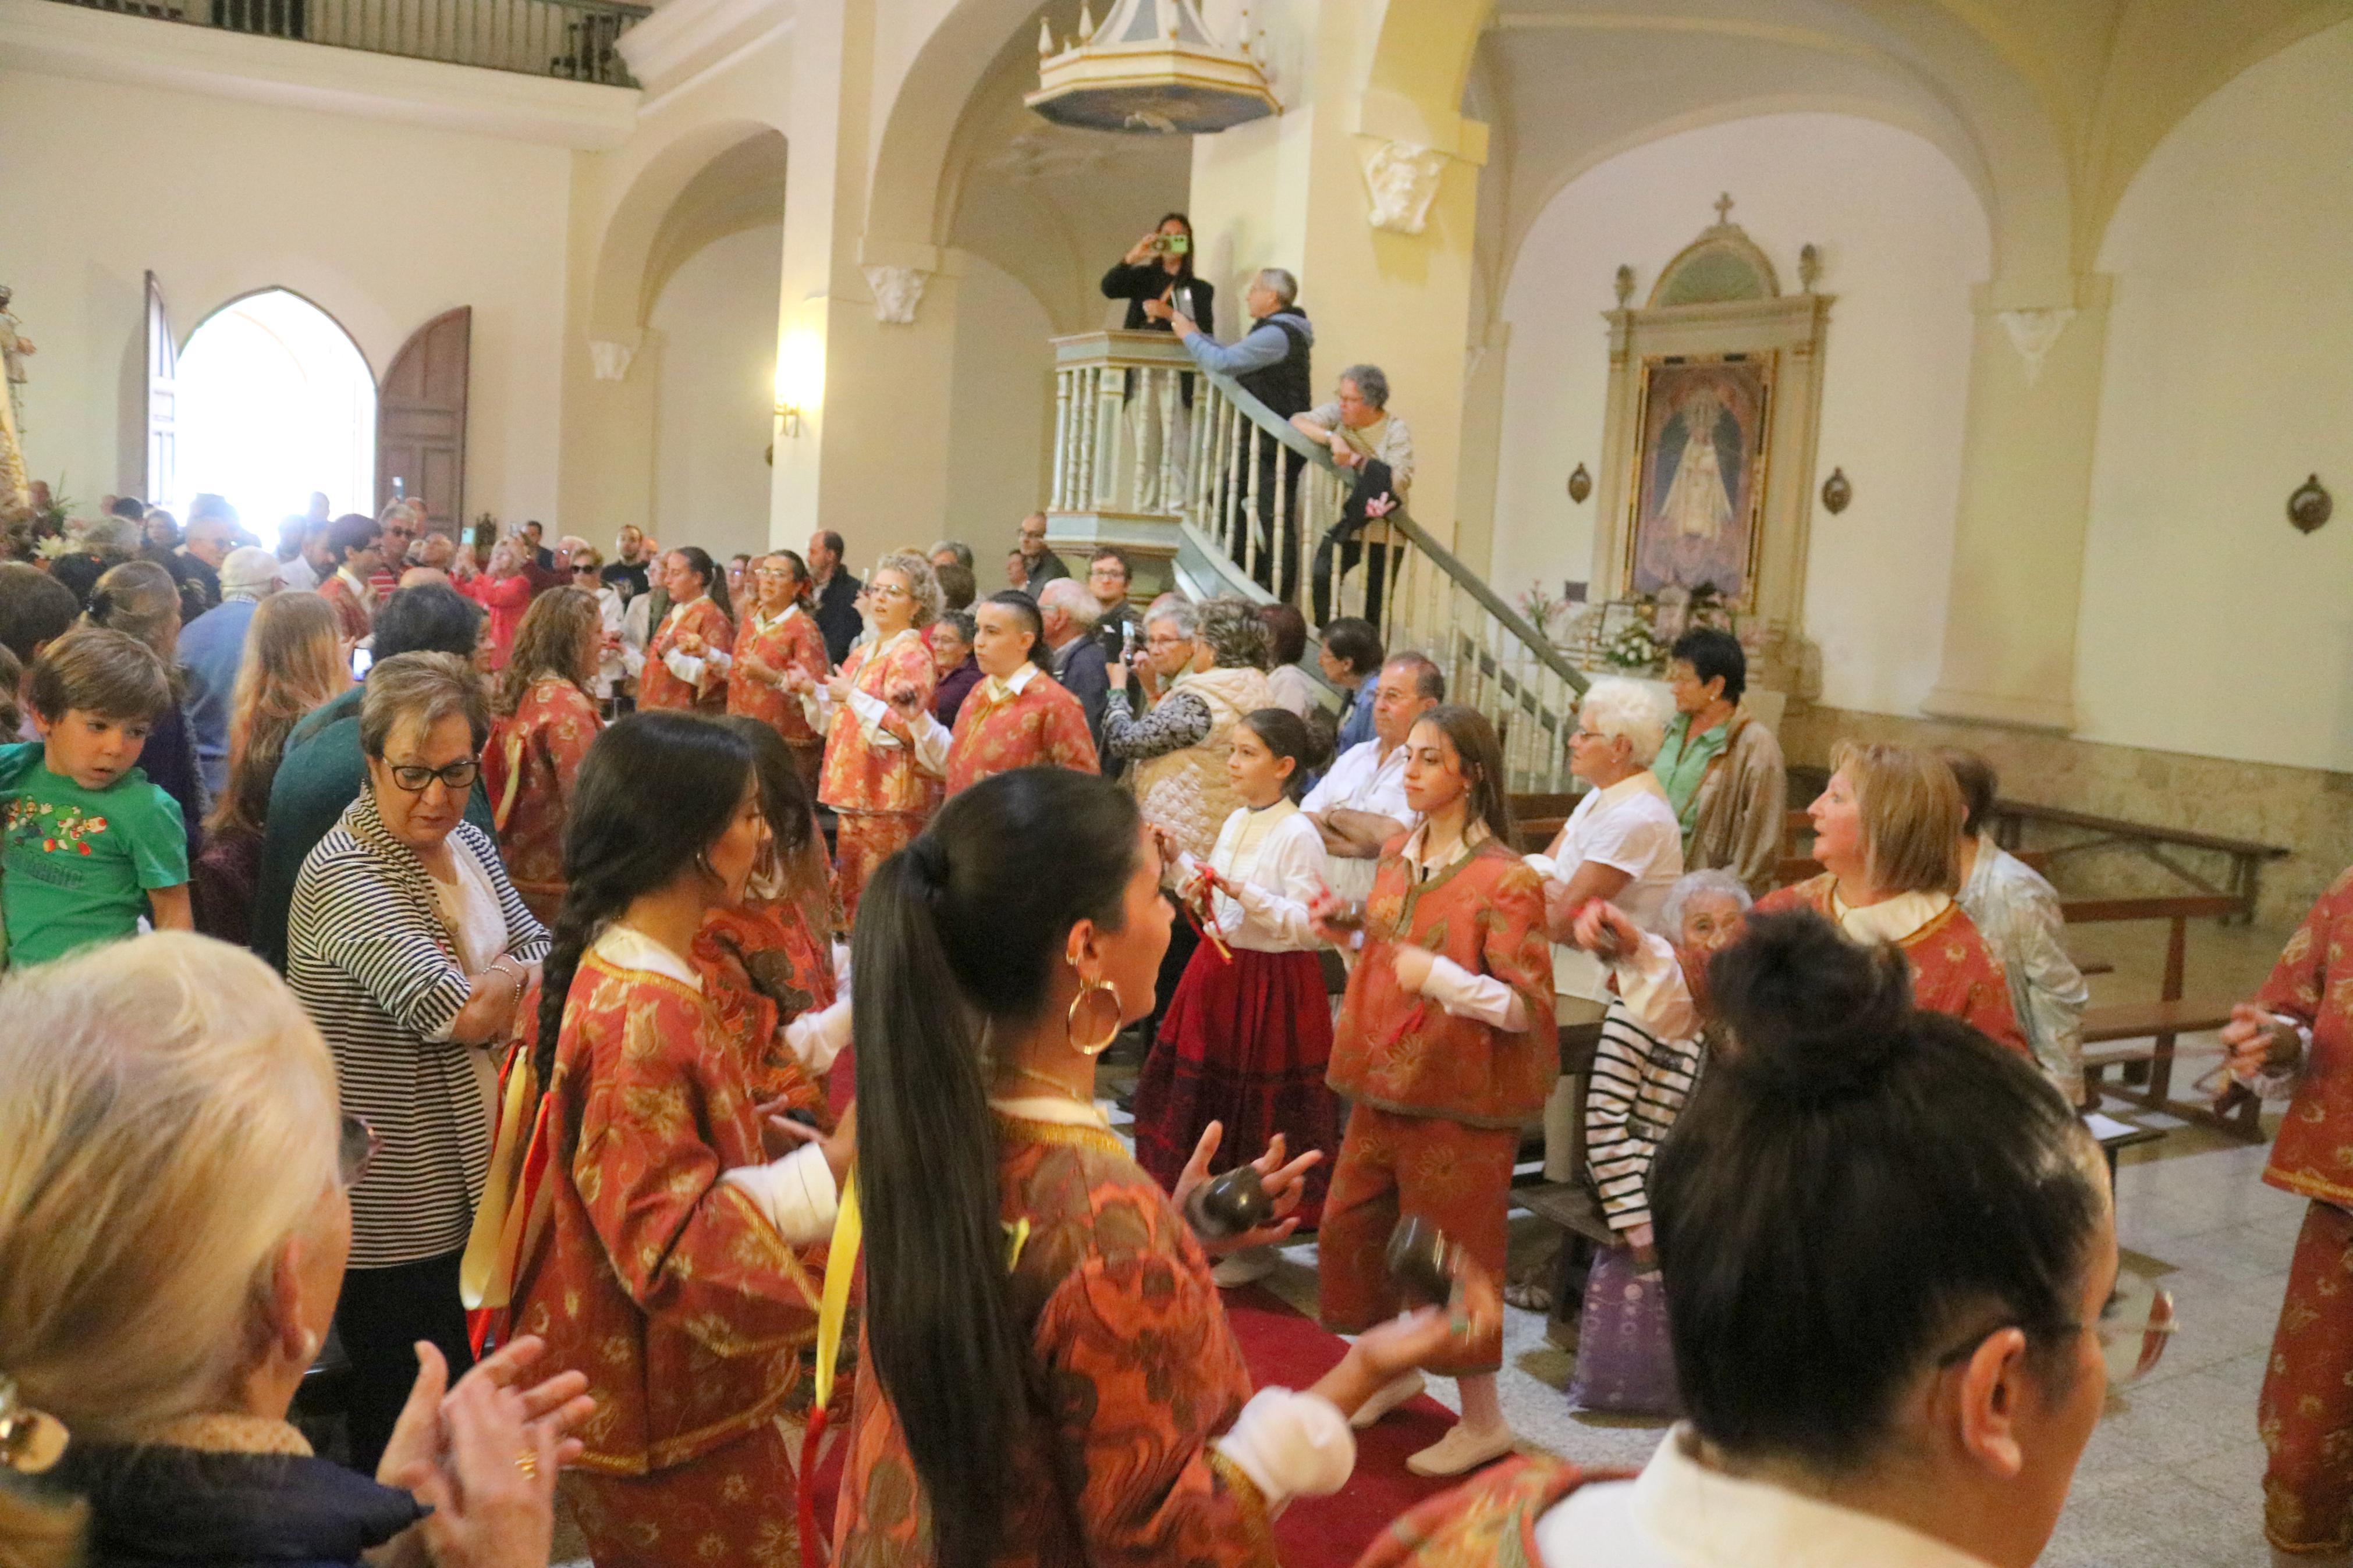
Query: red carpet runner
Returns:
{"type": "Point", "coordinates": [1292, 1352]}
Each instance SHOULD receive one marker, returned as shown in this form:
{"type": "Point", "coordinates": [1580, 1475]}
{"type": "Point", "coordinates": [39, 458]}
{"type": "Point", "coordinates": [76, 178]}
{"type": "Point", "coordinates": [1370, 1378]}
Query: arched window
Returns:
{"type": "Point", "coordinates": [275, 402]}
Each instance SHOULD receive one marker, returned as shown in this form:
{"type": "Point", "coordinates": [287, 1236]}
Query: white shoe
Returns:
{"type": "Point", "coordinates": [1461, 1449]}
{"type": "Point", "coordinates": [1387, 1399]}
{"type": "Point", "coordinates": [1244, 1268]}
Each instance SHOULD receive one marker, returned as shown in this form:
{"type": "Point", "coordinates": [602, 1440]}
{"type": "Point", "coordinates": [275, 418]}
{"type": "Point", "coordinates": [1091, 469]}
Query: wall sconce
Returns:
{"type": "Point", "coordinates": [1580, 484]}
{"type": "Point", "coordinates": [1837, 492]}
{"type": "Point", "coordinates": [800, 376]}
{"type": "Point", "coordinates": [2310, 506]}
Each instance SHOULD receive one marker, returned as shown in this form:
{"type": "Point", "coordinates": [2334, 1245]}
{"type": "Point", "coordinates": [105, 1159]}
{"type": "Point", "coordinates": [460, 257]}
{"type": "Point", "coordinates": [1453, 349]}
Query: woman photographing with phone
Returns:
{"type": "Point", "coordinates": [1159, 266]}
{"type": "Point", "coordinates": [1047, 1375]}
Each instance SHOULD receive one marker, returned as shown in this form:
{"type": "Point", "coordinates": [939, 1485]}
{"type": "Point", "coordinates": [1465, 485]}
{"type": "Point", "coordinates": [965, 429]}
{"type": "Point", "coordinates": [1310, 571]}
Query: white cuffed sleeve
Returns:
{"type": "Point", "coordinates": [871, 711]}
{"type": "Point", "coordinates": [796, 1193]}
{"type": "Point", "coordinates": [932, 738]}
{"type": "Point", "coordinates": [817, 1038]}
{"type": "Point", "coordinates": [1480, 996]}
{"type": "Point", "coordinates": [684, 666]}
{"type": "Point", "coordinates": [1291, 1445]}
{"type": "Point", "coordinates": [1652, 980]}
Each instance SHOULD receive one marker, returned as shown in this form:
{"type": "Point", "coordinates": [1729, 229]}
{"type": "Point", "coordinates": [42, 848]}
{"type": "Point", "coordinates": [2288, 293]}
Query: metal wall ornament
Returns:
{"type": "Point", "coordinates": [2311, 505]}
{"type": "Point", "coordinates": [1837, 492]}
{"type": "Point", "coordinates": [1580, 484]}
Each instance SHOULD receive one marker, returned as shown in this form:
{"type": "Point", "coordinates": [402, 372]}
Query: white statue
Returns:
{"type": "Point", "coordinates": [1698, 506]}
{"type": "Point", "coordinates": [15, 490]}
{"type": "Point", "coordinates": [897, 291]}
{"type": "Point", "coordinates": [1402, 180]}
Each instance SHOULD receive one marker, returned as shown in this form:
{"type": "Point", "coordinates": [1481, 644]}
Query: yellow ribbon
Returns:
{"type": "Point", "coordinates": [840, 1263]}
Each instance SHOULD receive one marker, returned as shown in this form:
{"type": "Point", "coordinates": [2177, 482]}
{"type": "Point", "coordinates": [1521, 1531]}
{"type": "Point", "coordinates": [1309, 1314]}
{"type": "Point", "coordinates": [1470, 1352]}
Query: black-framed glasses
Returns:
{"type": "Point", "coordinates": [584, 569]}
{"type": "Point", "coordinates": [2133, 1328]}
{"type": "Point", "coordinates": [416, 778]}
{"type": "Point", "coordinates": [356, 1148]}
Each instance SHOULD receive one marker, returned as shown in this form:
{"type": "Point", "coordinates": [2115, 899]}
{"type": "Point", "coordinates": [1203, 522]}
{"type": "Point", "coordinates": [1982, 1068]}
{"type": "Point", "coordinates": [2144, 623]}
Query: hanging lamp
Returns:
{"type": "Point", "coordinates": [1153, 66]}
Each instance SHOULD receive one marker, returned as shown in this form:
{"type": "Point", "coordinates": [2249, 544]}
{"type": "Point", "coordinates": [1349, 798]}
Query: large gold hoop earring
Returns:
{"type": "Point", "coordinates": [1070, 1019]}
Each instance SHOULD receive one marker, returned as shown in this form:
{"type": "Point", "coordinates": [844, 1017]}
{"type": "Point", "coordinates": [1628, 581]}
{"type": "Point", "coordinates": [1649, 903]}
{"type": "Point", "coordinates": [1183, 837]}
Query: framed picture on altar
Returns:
{"type": "Point", "coordinates": [1698, 486]}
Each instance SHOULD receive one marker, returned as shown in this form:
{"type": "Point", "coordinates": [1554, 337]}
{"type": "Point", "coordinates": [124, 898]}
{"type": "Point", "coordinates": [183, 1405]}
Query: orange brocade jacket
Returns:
{"type": "Point", "coordinates": [1953, 971]}
{"type": "Point", "coordinates": [860, 776]}
{"type": "Point", "coordinates": [658, 688]}
{"type": "Point", "coordinates": [763, 966]}
{"type": "Point", "coordinates": [998, 730]}
{"type": "Point", "coordinates": [1488, 1520]}
{"type": "Point", "coordinates": [528, 768]}
{"type": "Point", "coordinates": [1405, 1053]}
{"type": "Point", "coordinates": [2313, 983]}
{"type": "Point", "coordinates": [1135, 1371]}
{"type": "Point", "coordinates": [669, 1287]}
{"type": "Point", "coordinates": [781, 645]}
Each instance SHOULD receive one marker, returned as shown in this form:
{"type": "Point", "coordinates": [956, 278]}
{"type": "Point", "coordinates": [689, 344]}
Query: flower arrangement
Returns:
{"type": "Point", "coordinates": [1542, 610]}
{"type": "Point", "coordinates": [1633, 647]}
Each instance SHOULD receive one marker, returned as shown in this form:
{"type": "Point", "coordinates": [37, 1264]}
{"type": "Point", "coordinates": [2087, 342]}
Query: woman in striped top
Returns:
{"type": "Point", "coordinates": [1652, 1047]}
{"type": "Point", "coordinates": [410, 948]}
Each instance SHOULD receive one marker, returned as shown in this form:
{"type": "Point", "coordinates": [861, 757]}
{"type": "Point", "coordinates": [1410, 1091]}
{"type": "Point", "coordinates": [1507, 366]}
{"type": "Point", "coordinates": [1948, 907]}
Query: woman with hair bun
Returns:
{"type": "Point", "coordinates": [872, 779]}
{"type": "Point", "coordinates": [1248, 1037]}
{"type": "Point", "coordinates": [1891, 1270]}
{"type": "Point", "coordinates": [1887, 830]}
{"type": "Point", "coordinates": [657, 1250]}
{"type": "Point", "coordinates": [1446, 1046]}
{"type": "Point", "coordinates": [1046, 1374]}
{"type": "Point", "coordinates": [687, 657]}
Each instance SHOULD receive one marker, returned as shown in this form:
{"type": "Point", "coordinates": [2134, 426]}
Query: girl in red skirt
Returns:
{"type": "Point", "coordinates": [1248, 1034]}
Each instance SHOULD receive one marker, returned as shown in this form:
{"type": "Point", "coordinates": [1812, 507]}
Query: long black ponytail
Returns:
{"type": "Point", "coordinates": [958, 936]}
{"type": "Point", "coordinates": [656, 791]}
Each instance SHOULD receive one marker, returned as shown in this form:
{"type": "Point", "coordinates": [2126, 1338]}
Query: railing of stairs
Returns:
{"type": "Point", "coordinates": [1152, 451]}
{"type": "Point", "coordinates": [569, 39]}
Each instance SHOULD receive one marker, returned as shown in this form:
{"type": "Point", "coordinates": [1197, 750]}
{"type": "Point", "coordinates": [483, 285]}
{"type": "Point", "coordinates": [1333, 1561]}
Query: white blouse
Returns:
{"type": "Point", "coordinates": [1275, 858]}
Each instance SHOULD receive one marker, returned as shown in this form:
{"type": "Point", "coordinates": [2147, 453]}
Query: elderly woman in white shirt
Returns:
{"type": "Point", "coordinates": [1919, 1394]}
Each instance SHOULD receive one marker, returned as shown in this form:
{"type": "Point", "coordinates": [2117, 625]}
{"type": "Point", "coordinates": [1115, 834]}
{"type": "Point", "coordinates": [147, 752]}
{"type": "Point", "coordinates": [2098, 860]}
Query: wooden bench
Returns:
{"type": "Point", "coordinates": [2139, 1036]}
{"type": "Point", "coordinates": [2150, 842]}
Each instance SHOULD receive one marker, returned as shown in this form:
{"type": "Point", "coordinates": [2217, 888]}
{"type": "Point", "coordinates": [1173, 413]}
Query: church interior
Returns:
{"type": "Point", "coordinates": [1950, 355]}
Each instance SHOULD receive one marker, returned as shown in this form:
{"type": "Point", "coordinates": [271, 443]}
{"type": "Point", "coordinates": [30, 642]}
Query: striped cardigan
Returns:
{"type": "Point", "coordinates": [1641, 1083]}
{"type": "Point", "coordinates": [373, 962]}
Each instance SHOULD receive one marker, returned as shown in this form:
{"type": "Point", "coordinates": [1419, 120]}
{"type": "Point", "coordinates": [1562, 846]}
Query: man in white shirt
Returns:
{"type": "Point", "coordinates": [1360, 804]}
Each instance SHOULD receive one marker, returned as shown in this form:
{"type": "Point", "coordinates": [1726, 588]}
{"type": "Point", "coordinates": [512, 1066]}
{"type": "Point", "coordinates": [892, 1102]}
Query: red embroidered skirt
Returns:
{"type": "Point", "coordinates": [1245, 1043]}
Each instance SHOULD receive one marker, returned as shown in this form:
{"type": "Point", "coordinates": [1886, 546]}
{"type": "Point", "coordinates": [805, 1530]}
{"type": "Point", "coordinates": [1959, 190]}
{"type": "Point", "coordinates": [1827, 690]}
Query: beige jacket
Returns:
{"type": "Point", "coordinates": [1743, 800]}
{"type": "Point", "coordinates": [1186, 790]}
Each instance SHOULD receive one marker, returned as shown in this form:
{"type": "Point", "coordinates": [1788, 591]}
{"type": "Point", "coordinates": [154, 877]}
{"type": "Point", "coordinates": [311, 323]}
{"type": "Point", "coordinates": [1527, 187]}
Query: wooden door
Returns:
{"type": "Point", "coordinates": [420, 420]}
{"type": "Point", "coordinates": [162, 399]}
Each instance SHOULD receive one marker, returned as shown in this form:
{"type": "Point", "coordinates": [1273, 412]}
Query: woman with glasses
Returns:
{"type": "Point", "coordinates": [410, 949]}
{"type": "Point", "coordinates": [780, 658]}
{"type": "Point", "coordinates": [545, 721]}
{"type": "Point", "coordinates": [870, 778]}
{"type": "Point", "coordinates": [1889, 1261]}
{"type": "Point", "coordinates": [618, 663]}
{"type": "Point", "coordinates": [173, 1088]}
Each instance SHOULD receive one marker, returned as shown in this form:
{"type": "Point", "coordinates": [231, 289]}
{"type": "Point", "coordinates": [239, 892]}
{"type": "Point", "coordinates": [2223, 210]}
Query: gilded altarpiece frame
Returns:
{"type": "Point", "coordinates": [1718, 345]}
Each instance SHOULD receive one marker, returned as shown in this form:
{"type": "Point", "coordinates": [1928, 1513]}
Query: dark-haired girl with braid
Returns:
{"type": "Point", "coordinates": [656, 1250]}
{"type": "Point", "coordinates": [1046, 1374]}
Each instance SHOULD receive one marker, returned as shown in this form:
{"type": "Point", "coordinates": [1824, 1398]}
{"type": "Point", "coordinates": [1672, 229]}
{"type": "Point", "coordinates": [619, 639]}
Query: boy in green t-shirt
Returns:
{"type": "Point", "coordinates": [87, 844]}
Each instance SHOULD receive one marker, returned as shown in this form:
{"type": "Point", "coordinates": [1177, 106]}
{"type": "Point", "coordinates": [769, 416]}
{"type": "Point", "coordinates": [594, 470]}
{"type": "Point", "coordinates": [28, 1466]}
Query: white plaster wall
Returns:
{"type": "Point", "coordinates": [2209, 625]}
{"type": "Point", "coordinates": [383, 225]}
{"type": "Point", "coordinates": [714, 333]}
{"type": "Point", "coordinates": [1903, 238]}
{"type": "Point", "coordinates": [1001, 414]}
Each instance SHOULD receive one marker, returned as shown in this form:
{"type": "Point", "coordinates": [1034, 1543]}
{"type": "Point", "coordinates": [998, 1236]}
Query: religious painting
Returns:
{"type": "Point", "coordinates": [1699, 480]}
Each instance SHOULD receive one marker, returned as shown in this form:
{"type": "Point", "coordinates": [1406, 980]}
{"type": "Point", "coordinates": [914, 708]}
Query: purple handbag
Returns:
{"type": "Point", "coordinates": [1625, 1365]}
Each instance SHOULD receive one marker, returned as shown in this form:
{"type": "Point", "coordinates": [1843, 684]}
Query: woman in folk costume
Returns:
{"type": "Point", "coordinates": [1248, 1039]}
{"type": "Point", "coordinates": [1017, 717]}
{"type": "Point", "coordinates": [1915, 1395]}
{"type": "Point", "coordinates": [1887, 830]}
{"type": "Point", "coordinates": [2297, 1037]}
{"type": "Point", "coordinates": [545, 720]}
{"type": "Point", "coordinates": [767, 962]}
{"type": "Point", "coordinates": [1214, 660]}
{"type": "Point", "coordinates": [871, 779]}
{"type": "Point", "coordinates": [657, 1251]}
{"type": "Point", "coordinates": [687, 658]}
{"type": "Point", "coordinates": [779, 659]}
{"type": "Point", "coordinates": [1446, 1046]}
{"type": "Point", "coordinates": [1047, 1375]}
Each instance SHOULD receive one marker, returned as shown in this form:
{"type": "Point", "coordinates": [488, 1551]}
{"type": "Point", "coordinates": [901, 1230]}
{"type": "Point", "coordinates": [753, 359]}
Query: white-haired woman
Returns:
{"type": "Point", "coordinates": [174, 1180]}
{"type": "Point", "coordinates": [1622, 844]}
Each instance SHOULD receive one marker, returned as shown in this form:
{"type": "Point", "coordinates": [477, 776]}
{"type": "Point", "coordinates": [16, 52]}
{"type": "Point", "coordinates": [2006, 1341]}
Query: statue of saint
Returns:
{"type": "Point", "coordinates": [15, 490]}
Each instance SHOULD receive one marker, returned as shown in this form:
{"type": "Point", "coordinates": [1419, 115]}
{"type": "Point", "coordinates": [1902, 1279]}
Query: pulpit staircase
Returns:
{"type": "Point", "coordinates": [1159, 456]}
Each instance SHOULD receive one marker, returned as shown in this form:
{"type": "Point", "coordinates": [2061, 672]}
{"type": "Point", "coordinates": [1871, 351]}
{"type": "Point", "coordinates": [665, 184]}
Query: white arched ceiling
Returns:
{"type": "Point", "coordinates": [742, 188]}
{"type": "Point", "coordinates": [653, 219]}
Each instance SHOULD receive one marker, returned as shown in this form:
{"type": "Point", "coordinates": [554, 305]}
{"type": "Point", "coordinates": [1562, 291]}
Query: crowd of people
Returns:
{"type": "Point", "coordinates": [605, 961]}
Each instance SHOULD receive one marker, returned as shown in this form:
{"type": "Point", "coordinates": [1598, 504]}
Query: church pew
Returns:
{"type": "Point", "coordinates": [2139, 1036]}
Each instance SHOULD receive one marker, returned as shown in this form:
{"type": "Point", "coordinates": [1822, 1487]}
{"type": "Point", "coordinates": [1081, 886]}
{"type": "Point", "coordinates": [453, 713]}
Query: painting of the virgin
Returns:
{"type": "Point", "coordinates": [1701, 486]}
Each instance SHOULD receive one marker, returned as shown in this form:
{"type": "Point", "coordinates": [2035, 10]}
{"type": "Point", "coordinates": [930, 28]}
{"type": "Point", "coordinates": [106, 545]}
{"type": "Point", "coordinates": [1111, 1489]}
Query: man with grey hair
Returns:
{"type": "Point", "coordinates": [212, 650]}
{"type": "Point", "coordinates": [952, 552]}
{"type": "Point", "coordinates": [1271, 362]}
{"type": "Point", "coordinates": [1375, 446]}
{"type": "Point", "coordinates": [1361, 805]}
{"type": "Point", "coordinates": [1069, 612]}
{"type": "Point", "coordinates": [1039, 565]}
